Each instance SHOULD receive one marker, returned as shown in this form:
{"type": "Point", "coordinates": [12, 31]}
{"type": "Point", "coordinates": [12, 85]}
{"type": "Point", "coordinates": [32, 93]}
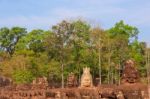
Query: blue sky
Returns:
{"type": "Point", "coordinates": [34, 14]}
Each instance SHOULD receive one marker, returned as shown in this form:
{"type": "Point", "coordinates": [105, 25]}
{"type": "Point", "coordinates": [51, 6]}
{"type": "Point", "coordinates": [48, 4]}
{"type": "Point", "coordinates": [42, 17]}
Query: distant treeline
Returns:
{"type": "Point", "coordinates": [68, 47]}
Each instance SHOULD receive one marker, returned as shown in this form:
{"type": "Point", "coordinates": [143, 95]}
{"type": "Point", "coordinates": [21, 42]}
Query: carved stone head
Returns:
{"type": "Point", "coordinates": [86, 78]}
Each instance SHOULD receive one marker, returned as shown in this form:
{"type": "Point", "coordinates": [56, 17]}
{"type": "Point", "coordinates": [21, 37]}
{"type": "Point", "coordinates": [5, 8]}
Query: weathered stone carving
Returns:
{"type": "Point", "coordinates": [89, 93]}
{"type": "Point", "coordinates": [120, 95]}
{"type": "Point", "coordinates": [23, 87]}
{"type": "Point", "coordinates": [58, 95]}
{"type": "Point", "coordinates": [108, 93]}
{"type": "Point", "coordinates": [40, 83]}
{"type": "Point", "coordinates": [130, 73]}
{"type": "Point", "coordinates": [71, 80]}
{"type": "Point", "coordinates": [86, 78]}
{"type": "Point", "coordinates": [40, 80]}
{"type": "Point", "coordinates": [39, 90]}
{"type": "Point", "coordinates": [4, 81]}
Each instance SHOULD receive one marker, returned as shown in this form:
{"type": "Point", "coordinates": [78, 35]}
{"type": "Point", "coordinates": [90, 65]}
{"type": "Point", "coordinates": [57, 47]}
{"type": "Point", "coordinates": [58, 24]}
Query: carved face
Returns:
{"type": "Point", "coordinates": [87, 81]}
{"type": "Point", "coordinates": [131, 80]}
{"type": "Point", "coordinates": [130, 62]}
{"type": "Point", "coordinates": [71, 79]}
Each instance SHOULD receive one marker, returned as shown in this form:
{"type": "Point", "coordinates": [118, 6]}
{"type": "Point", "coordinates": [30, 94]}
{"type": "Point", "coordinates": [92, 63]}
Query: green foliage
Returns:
{"type": "Point", "coordinates": [68, 47]}
{"type": "Point", "coordinates": [128, 32]}
{"type": "Point", "coordinates": [10, 37]}
{"type": "Point", "coordinates": [22, 76]}
{"type": "Point", "coordinates": [33, 41]}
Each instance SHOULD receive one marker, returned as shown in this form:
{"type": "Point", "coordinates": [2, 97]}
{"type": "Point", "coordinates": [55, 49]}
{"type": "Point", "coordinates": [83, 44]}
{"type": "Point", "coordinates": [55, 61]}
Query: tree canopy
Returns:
{"type": "Point", "coordinates": [68, 47]}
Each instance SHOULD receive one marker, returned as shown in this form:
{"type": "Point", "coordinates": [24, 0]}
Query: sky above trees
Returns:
{"type": "Point", "coordinates": [43, 14]}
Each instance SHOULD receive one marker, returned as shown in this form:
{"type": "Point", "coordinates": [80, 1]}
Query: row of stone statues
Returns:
{"type": "Point", "coordinates": [130, 75]}
{"type": "Point", "coordinates": [86, 90]}
{"type": "Point", "coordinates": [86, 79]}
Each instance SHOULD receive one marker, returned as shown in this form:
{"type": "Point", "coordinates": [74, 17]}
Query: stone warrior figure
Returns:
{"type": "Point", "coordinates": [40, 82]}
{"type": "Point", "coordinates": [130, 73]}
{"type": "Point", "coordinates": [86, 78]}
{"type": "Point", "coordinates": [71, 80]}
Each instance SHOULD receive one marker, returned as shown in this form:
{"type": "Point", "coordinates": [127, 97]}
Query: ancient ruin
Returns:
{"type": "Point", "coordinates": [130, 88]}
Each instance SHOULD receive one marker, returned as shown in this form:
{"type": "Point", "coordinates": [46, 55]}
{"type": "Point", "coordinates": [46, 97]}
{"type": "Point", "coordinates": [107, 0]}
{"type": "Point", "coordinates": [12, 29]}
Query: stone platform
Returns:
{"type": "Point", "coordinates": [134, 91]}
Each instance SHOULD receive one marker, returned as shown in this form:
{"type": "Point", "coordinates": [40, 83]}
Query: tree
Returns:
{"type": "Point", "coordinates": [81, 46]}
{"type": "Point", "coordinates": [22, 76]}
{"type": "Point", "coordinates": [68, 47]}
{"type": "Point", "coordinates": [97, 36]}
{"type": "Point", "coordinates": [57, 44]}
{"type": "Point", "coordinates": [123, 35]}
{"type": "Point", "coordinates": [34, 41]}
{"type": "Point", "coordinates": [10, 37]}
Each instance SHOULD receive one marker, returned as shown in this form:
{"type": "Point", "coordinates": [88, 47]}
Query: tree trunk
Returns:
{"type": "Point", "coordinates": [119, 71]}
{"type": "Point", "coordinates": [109, 61]}
{"type": "Point", "coordinates": [79, 73]}
{"type": "Point", "coordinates": [62, 75]}
{"type": "Point", "coordinates": [109, 70]}
{"type": "Point", "coordinates": [147, 66]}
{"type": "Point", "coordinates": [100, 72]}
{"type": "Point", "coordinates": [148, 74]}
{"type": "Point", "coordinates": [112, 75]}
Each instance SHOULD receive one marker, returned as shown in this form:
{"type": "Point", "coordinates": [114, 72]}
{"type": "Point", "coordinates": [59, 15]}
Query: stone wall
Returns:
{"type": "Point", "coordinates": [101, 92]}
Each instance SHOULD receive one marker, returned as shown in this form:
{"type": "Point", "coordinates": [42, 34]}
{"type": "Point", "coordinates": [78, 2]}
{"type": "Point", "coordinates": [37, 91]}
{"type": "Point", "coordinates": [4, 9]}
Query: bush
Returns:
{"type": "Point", "coordinates": [22, 76]}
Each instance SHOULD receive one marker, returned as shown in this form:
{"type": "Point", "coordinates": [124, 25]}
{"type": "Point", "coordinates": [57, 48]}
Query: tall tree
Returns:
{"type": "Point", "coordinates": [59, 43]}
{"type": "Point", "coordinates": [123, 35]}
{"type": "Point", "coordinates": [97, 39]}
{"type": "Point", "coordinates": [80, 45]}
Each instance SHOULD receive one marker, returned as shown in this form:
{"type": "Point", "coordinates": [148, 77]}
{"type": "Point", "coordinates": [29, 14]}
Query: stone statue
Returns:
{"type": "Point", "coordinates": [120, 95]}
{"type": "Point", "coordinates": [130, 73]}
{"type": "Point", "coordinates": [40, 82]}
{"type": "Point", "coordinates": [71, 80]}
{"type": "Point", "coordinates": [5, 81]}
{"type": "Point", "coordinates": [86, 78]}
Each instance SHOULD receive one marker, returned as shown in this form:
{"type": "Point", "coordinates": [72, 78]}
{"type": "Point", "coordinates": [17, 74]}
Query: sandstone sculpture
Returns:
{"type": "Point", "coordinates": [130, 73]}
{"type": "Point", "coordinates": [4, 81]}
{"type": "Point", "coordinates": [86, 78]}
{"type": "Point", "coordinates": [39, 88]}
{"type": "Point", "coordinates": [58, 95]}
{"type": "Point", "coordinates": [40, 83]}
{"type": "Point", "coordinates": [120, 95]}
{"type": "Point", "coordinates": [71, 80]}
